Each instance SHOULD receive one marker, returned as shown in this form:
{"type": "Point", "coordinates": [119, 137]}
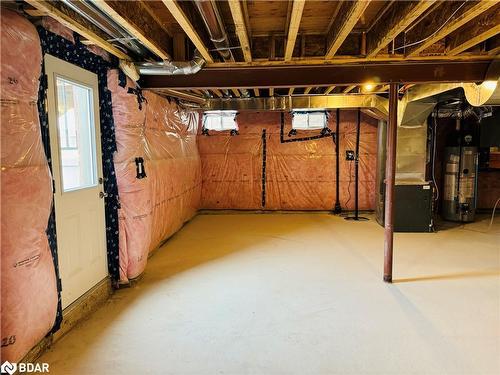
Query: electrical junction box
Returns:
{"type": "Point", "coordinates": [349, 155]}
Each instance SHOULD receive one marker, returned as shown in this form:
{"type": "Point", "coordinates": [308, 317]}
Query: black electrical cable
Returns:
{"type": "Point", "coordinates": [303, 139]}
{"type": "Point", "coordinates": [336, 140]}
{"type": "Point", "coordinates": [356, 216]}
{"type": "Point", "coordinates": [264, 162]}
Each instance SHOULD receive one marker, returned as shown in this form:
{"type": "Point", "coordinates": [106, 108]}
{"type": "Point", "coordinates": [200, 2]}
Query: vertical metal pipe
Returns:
{"type": "Point", "coordinates": [390, 178]}
{"type": "Point", "coordinates": [337, 209]}
{"type": "Point", "coordinates": [356, 168]}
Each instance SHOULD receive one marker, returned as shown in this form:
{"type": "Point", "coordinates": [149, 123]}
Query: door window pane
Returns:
{"type": "Point", "coordinates": [75, 124]}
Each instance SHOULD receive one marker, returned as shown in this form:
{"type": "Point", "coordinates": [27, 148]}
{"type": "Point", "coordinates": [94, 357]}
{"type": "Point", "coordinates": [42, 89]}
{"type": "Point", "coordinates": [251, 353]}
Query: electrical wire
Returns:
{"type": "Point", "coordinates": [434, 138]}
{"type": "Point", "coordinates": [349, 185]}
{"type": "Point", "coordinates": [435, 32]}
{"type": "Point", "coordinates": [493, 215]}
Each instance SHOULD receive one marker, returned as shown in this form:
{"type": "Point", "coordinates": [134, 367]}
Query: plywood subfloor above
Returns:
{"type": "Point", "coordinates": [299, 294]}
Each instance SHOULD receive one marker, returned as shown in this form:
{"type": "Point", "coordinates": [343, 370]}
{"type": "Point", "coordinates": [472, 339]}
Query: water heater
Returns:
{"type": "Point", "coordinates": [460, 179]}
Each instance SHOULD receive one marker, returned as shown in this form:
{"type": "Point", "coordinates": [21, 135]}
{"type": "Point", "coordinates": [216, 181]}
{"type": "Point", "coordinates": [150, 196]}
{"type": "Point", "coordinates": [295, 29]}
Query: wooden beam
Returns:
{"type": "Point", "coordinates": [247, 18]}
{"type": "Point", "coordinates": [349, 14]}
{"type": "Point", "coordinates": [67, 19]}
{"type": "Point", "coordinates": [241, 28]}
{"type": "Point", "coordinates": [451, 15]}
{"type": "Point", "coordinates": [256, 92]}
{"type": "Point", "coordinates": [186, 25]}
{"type": "Point", "coordinates": [218, 93]}
{"type": "Point", "coordinates": [236, 92]}
{"type": "Point", "coordinates": [329, 90]}
{"type": "Point", "coordinates": [348, 89]}
{"type": "Point", "coordinates": [307, 90]}
{"type": "Point", "coordinates": [475, 32]}
{"type": "Point", "coordinates": [271, 91]}
{"type": "Point", "coordinates": [293, 28]}
{"type": "Point", "coordinates": [272, 47]}
{"type": "Point", "coordinates": [333, 17]}
{"type": "Point", "coordinates": [143, 27]}
{"type": "Point", "coordinates": [35, 12]}
{"type": "Point", "coordinates": [397, 18]}
{"type": "Point", "coordinates": [379, 15]}
{"type": "Point", "coordinates": [290, 91]}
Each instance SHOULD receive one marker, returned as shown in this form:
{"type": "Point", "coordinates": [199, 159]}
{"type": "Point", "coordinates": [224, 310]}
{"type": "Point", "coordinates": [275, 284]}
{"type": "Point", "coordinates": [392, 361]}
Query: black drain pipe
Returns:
{"type": "Point", "coordinates": [356, 216]}
{"type": "Point", "coordinates": [337, 209]}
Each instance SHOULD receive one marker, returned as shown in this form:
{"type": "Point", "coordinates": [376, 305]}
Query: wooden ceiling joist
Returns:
{"type": "Point", "coordinates": [182, 95]}
{"type": "Point", "coordinates": [293, 28]}
{"type": "Point", "coordinates": [241, 28]}
{"type": "Point", "coordinates": [69, 20]}
{"type": "Point", "coordinates": [397, 18]}
{"type": "Point", "coordinates": [307, 90]}
{"type": "Point", "coordinates": [348, 89]}
{"type": "Point", "coordinates": [271, 91]}
{"type": "Point", "coordinates": [475, 32]}
{"type": "Point", "coordinates": [290, 91]}
{"type": "Point", "coordinates": [329, 90]}
{"type": "Point", "coordinates": [236, 92]}
{"type": "Point", "coordinates": [448, 17]}
{"type": "Point", "coordinates": [348, 16]}
{"type": "Point", "coordinates": [256, 92]}
{"type": "Point", "coordinates": [218, 93]}
{"type": "Point", "coordinates": [144, 28]}
{"type": "Point", "coordinates": [186, 25]}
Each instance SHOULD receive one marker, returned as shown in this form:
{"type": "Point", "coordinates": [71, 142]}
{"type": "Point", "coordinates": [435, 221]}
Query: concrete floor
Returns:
{"type": "Point", "coordinates": [299, 294]}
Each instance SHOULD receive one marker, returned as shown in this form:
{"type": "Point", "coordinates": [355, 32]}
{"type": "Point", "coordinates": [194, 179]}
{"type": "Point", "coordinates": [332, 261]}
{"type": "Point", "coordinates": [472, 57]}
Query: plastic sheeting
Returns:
{"type": "Point", "coordinates": [298, 175]}
{"type": "Point", "coordinates": [29, 292]}
{"type": "Point", "coordinates": [156, 206]}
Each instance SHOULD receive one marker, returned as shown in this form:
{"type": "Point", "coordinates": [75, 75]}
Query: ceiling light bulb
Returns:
{"type": "Point", "coordinates": [368, 86]}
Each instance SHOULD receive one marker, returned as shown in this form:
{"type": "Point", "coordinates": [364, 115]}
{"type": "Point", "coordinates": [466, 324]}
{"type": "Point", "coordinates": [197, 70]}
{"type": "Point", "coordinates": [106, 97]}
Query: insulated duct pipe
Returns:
{"type": "Point", "coordinates": [172, 67]}
{"type": "Point", "coordinates": [213, 22]}
{"type": "Point", "coordinates": [100, 19]}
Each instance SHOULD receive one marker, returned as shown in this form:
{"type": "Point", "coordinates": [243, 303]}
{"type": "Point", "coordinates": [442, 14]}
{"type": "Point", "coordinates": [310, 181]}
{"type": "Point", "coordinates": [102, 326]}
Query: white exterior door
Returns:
{"type": "Point", "coordinates": [75, 141]}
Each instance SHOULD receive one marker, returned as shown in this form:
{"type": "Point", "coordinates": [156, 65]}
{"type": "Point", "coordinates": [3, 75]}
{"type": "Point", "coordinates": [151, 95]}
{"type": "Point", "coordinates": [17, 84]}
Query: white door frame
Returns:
{"type": "Point", "coordinates": [82, 257]}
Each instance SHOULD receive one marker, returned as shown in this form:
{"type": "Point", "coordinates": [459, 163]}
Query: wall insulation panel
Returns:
{"type": "Point", "coordinates": [298, 175]}
{"type": "Point", "coordinates": [29, 293]}
{"type": "Point", "coordinates": [156, 206]}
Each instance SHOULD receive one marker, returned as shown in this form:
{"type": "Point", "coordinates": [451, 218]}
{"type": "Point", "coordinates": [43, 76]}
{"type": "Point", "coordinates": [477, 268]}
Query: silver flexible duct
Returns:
{"type": "Point", "coordinates": [172, 67]}
{"type": "Point", "coordinates": [217, 32]}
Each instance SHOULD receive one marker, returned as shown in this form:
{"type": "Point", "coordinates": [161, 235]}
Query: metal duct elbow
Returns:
{"type": "Point", "coordinates": [172, 67]}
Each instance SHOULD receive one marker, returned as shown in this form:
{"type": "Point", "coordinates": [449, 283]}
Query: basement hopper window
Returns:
{"type": "Point", "coordinates": [303, 119]}
{"type": "Point", "coordinates": [220, 120]}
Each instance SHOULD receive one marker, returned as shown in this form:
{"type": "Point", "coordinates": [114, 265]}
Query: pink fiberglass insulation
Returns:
{"type": "Point", "coordinates": [299, 175]}
{"type": "Point", "coordinates": [29, 292]}
{"type": "Point", "coordinates": [156, 206]}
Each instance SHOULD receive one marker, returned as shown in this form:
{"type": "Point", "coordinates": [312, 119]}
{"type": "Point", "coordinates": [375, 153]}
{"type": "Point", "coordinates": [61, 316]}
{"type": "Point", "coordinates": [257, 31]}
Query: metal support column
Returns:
{"type": "Point", "coordinates": [390, 178]}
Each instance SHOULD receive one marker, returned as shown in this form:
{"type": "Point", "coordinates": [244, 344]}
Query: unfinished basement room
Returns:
{"type": "Point", "coordinates": [247, 187]}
